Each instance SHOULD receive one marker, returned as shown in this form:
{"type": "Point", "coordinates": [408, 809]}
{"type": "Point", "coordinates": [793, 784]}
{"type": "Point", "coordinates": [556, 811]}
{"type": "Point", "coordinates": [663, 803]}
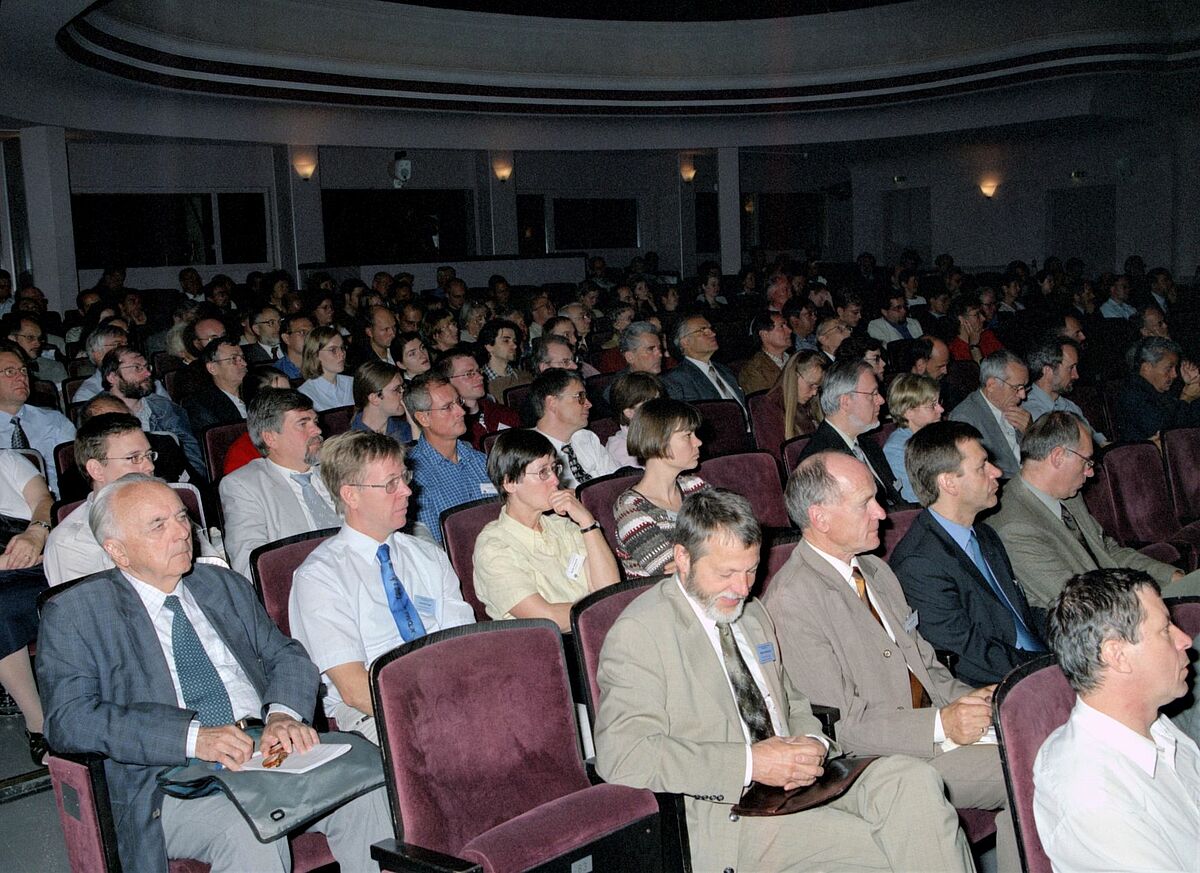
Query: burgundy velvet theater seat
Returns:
{"type": "Point", "coordinates": [754, 475]}
{"type": "Point", "coordinates": [893, 528]}
{"type": "Point", "coordinates": [791, 451]}
{"type": "Point", "coordinates": [1181, 455]}
{"type": "Point", "coordinates": [599, 495]}
{"type": "Point", "coordinates": [460, 528]}
{"type": "Point", "coordinates": [481, 756]}
{"type": "Point", "coordinates": [271, 569]}
{"type": "Point", "coordinates": [1142, 501]}
{"type": "Point", "coordinates": [767, 423]}
{"type": "Point", "coordinates": [722, 428]}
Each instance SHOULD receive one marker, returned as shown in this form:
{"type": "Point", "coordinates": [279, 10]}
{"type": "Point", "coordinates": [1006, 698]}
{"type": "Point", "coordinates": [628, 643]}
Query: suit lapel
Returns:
{"type": "Point", "coordinates": [839, 595]}
{"type": "Point", "coordinates": [143, 640]}
{"type": "Point", "coordinates": [217, 611]}
{"type": "Point", "coordinates": [708, 672]}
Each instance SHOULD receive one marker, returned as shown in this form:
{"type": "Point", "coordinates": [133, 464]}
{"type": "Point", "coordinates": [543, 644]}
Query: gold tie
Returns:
{"type": "Point", "coordinates": [920, 697]}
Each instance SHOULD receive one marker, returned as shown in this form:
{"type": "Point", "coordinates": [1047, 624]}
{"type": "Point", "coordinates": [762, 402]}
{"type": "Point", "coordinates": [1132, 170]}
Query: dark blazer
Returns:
{"type": "Point", "coordinates": [959, 612]}
{"type": "Point", "coordinates": [826, 439]}
{"type": "Point", "coordinates": [255, 354]}
{"type": "Point", "coordinates": [207, 406]}
{"type": "Point", "coordinates": [974, 411]}
{"type": "Point", "coordinates": [1141, 411]}
{"type": "Point", "coordinates": [686, 382]}
{"type": "Point", "coordinates": [107, 688]}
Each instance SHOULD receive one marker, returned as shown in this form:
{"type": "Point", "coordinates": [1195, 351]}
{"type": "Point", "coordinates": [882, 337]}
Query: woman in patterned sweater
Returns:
{"type": "Point", "coordinates": [663, 437]}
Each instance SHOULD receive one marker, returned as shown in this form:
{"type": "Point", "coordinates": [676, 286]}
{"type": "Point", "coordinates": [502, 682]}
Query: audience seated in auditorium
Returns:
{"type": "Point", "coordinates": [42, 358]}
{"type": "Point", "coordinates": [193, 377]}
{"type": "Point", "coordinates": [1115, 787]}
{"type": "Point", "coordinates": [447, 471]}
{"type": "Point", "coordinates": [831, 333]}
{"type": "Point", "coordinates": [848, 307]}
{"type": "Point", "coordinates": [861, 347]}
{"type": "Point", "coordinates": [500, 341]}
{"type": "Point", "coordinates": [629, 392]}
{"type": "Point", "coordinates": [801, 317]}
{"type": "Point", "coordinates": [553, 352]}
{"type": "Point", "coordinates": [840, 615]}
{"type": "Point", "coordinates": [581, 317]}
{"type": "Point", "coordinates": [293, 332]}
{"type": "Point", "coordinates": [973, 341]}
{"type": "Point", "coordinates": [1150, 321]}
{"type": "Point", "coordinates": [1046, 527]}
{"type": "Point", "coordinates": [994, 409]}
{"type": "Point", "coordinates": [794, 397]}
{"type": "Point", "coordinates": [472, 318]}
{"type": "Point", "coordinates": [642, 348]}
{"type": "Point", "coordinates": [545, 551]}
{"type": "Point", "coordinates": [108, 689]}
{"type": "Point", "coordinates": [219, 401]}
{"type": "Point", "coordinates": [440, 330]}
{"type": "Point", "coordinates": [1054, 369]}
{"type": "Point", "coordinates": [374, 339]}
{"type": "Point", "coordinates": [913, 402]}
{"type": "Point", "coordinates": [774, 344]}
{"type": "Point", "coordinates": [277, 495]}
{"type": "Point", "coordinates": [338, 608]}
{"type": "Point", "coordinates": [663, 436]}
{"type": "Point", "coordinates": [23, 425]}
{"type": "Point", "coordinates": [698, 376]}
{"type": "Point", "coordinates": [1148, 401]}
{"type": "Point", "coordinates": [414, 355]}
{"type": "Point", "coordinates": [681, 711]}
{"type": "Point", "coordinates": [326, 383]}
{"type": "Point", "coordinates": [1117, 305]}
{"type": "Point", "coordinates": [953, 567]}
{"type": "Point", "coordinates": [102, 340]}
{"type": "Point", "coordinates": [242, 451]}
{"type": "Point", "coordinates": [559, 405]}
{"type": "Point", "coordinates": [893, 322]}
{"type": "Point", "coordinates": [262, 323]}
{"type": "Point", "coordinates": [851, 402]}
{"type": "Point", "coordinates": [379, 401]}
{"type": "Point", "coordinates": [483, 415]}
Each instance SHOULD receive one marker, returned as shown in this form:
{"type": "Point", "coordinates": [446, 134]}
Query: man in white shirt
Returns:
{"type": "Point", "coordinates": [893, 322]}
{"type": "Point", "coordinates": [370, 588]}
{"type": "Point", "coordinates": [22, 425]}
{"type": "Point", "coordinates": [1118, 786]}
{"type": "Point", "coordinates": [281, 493]}
{"type": "Point", "coordinates": [994, 409]}
{"type": "Point", "coordinates": [560, 405]}
{"type": "Point", "coordinates": [1117, 305]}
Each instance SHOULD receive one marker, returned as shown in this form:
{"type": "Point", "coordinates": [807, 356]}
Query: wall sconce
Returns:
{"type": "Point", "coordinates": [988, 188]}
{"type": "Point", "coordinates": [304, 162]}
{"type": "Point", "coordinates": [503, 173]}
{"type": "Point", "coordinates": [502, 166]}
{"type": "Point", "coordinates": [899, 180]}
{"type": "Point", "coordinates": [1078, 175]}
{"type": "Point", "coordinates": [748, 205]}
{"type": "Point", "coordinates": [687, 168]}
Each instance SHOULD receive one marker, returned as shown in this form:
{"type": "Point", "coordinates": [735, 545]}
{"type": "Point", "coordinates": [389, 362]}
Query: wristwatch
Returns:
{"type": "Point", "coordinates": [591, 527]}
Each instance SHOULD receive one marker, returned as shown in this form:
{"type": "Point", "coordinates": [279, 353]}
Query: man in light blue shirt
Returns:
{"type": "Point", "coordinates": [1054, 367]}
{"type": "Point", "coordinates": [1117, 304]}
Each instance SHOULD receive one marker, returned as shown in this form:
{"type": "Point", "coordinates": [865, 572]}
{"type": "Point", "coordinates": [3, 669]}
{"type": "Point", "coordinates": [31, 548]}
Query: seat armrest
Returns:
{"type": "Point", "coordinates": [401, 857]}
{"type": "Point", "coordinates": [828, 716]}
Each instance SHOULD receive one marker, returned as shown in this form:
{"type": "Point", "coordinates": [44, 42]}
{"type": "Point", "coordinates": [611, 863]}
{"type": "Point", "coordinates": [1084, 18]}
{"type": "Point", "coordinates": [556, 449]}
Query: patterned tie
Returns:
{"type": "Point", "coordinates": [1025, 640]}
{"type": "Point", "coordinates": [203, 690]}
{"type": "Point", "coordinates": [920, 697]}
{"type": "Point", "coordinates": [408, 622]}
{"type": "Point", "coordinates": [751, 704]}
{"type": "Point", "coordinates": [1073, 526]}
{"type": "Point", "coordinates": [580, 475]}
{"type": "Point", "coordinates": [722, 388]}
{"type": "Point", "coordinates": [19, 439]}
{"type": "Point", "coordinates": [322, 515]}
{"type": "Point", "coordinates": [902, 329]}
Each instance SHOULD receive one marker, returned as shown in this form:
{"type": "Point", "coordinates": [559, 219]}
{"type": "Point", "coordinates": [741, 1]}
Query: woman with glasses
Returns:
{"type": "Point", "coordinates": [791, 407]}
{"type": "Point", "coordinates": [379, 401]}
{"type": "Point", "coordinates": [913, 403]}
{"type": "Point", "coordinates": [414, 355]}
{"type": "Point", "coordinates": [545, 551]}
{"type": "Point", "coordinates": [663, 437]}
{"type": "Point", "coordinates": [322, 365]}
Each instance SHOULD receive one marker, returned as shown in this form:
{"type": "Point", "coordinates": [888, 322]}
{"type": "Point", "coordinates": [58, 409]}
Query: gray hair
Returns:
{"type": "Point", "coordinates": [100, 335]}
{"type": "Point", "coordinates": [682, 331]}
{"type": "Point", "coordinates": [267, 409]}
{"type": "Point", "coordinates": [566, 309]}
{"type": "Point", "coordinates": [1091, 609]}
{"type": "Point", "coordinates": [101, 519]}
{"type": "Point", "coordinates": [543, 347]}
{"type": "Point", "coordinates": [1151, 350]}
{"type": "Point", "coordinates": [995, 365]}
{"type": "Point", "coordinates": [416, 393]}
{"type": "Point", "coordinates": [841, 379]}
{"type": "Point", "coordinates": [810, 484]}
{"type": "Point", "coordinates": [469, 310]}
{"type": "Point", "coordinates": [1050, 431]}
{"type": "Point", "coordinates": [715, 512]}
{"type": "Point", "coordinates": [633, 333]}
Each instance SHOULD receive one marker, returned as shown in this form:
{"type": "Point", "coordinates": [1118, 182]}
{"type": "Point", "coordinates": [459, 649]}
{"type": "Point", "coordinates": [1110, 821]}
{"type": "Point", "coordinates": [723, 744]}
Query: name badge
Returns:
{"type": "Point", "coordinates": [574, 566]}
{"type": "Point", "coordinates": [766, 653]}
{"type": "Point", "coordinates": [487, 489]}
{"type": "Point", "coordinates": [910, 623]}
{"type": "Point", "coordinates": [425, 605]}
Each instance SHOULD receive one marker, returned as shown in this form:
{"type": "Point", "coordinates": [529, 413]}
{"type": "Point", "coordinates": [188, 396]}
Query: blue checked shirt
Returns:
{"type": "Point", "coordinates": [439, 484]}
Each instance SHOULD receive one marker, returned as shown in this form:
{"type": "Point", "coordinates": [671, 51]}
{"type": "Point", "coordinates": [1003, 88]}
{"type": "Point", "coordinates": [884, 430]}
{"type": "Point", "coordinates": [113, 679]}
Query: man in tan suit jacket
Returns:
{"type": "Point", "coordinates": [840, 653]}
{"type": "Point", "coordinates": [670, 719]}
{"type": "Point", "coordinates": [775, 342]}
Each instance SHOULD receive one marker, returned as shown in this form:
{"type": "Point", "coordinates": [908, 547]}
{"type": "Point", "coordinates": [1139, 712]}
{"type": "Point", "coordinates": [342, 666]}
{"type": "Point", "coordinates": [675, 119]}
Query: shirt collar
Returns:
{"type": "Point", "coordinates": [843, 569]}
{"type": "Point", "coordinates": [959, 533]}
{"type": "Point", "coordinates": [153, 599]}
{"type": "Point", "coordinates": [554, 441]}
{"type": "Point", "coordinates": [850, 442]}
{"type": "Point", "coordinates": [703, 365]}
{"type": "Point", "coordinates": [358, 542]}
{"type": "Point", "coordinates": [1051, 503]}
{"type": "Point", "coordinates": [1140, 751]}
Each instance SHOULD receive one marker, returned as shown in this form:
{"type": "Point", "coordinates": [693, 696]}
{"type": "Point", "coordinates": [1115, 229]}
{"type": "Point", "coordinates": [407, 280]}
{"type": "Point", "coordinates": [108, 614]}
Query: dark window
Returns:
{"type": "Point", "coordinates": [243, 219]}
{"type": "Point", "coordinates": [708, 223]}
{"type": "Point", "coordinates": [791, 221]}
{"type": "Point", "coordinates": [595, 223]}
{"type": "Point", "coordinates": [143, 230]}
{"type": "Point", "coordinates": [531, 224]}
{"type": "Point", "coordinates": [378, 226]}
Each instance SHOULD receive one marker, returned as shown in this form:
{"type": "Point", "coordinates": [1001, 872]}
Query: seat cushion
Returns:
{"type": "Point", "coordinates": [559, 826]}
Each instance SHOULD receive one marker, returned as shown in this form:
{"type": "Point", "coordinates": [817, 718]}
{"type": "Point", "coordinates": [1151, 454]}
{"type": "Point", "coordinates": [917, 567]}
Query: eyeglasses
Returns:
{"type": "Point", "coordinates": [234, 358]}
{"type": "Point", "coordinates": [448, 406]}
{"type": "Point", "coordinates": [143, 367]}
{"type": "Point", "coordinates": [335, 350]}
{"type": "Point", "coordinates": [298, 332]}
{"type": "Point", "coordinates": [560, 362]}
{"type": "Point", "coordinates": [1087, 462]}
{"type": "Point", "coordinates": [29, 337]}
{"type": "Point", "coordinates": [706, 329]}
{"type": "Point", "coordinates": [469, 374]}
{"type": "Point", "coordinates": [874, 393]}
{"type": "Point", "coordinates": [390, 486]}
{"type": "Point", "coordinates": [270, 322]}
{"type": "Point", "coordinates": [1018, 388]}
{"type": "Point", "coordinates": [137, 457]}
{"type": "Point", "coordinates": [546, 472]}
{"type": "Point", "coordinates": [11, 372]}
{"type": "Point", "coordinates": [579, 397]}
{"type": "Point", "coordinates": [398, 391]}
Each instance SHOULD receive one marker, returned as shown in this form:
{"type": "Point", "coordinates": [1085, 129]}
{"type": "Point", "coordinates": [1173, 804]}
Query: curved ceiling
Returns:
{"type": "Point", "coordinates": [481, 58]}
{"type": "Point", "coordinates": [657, 10]}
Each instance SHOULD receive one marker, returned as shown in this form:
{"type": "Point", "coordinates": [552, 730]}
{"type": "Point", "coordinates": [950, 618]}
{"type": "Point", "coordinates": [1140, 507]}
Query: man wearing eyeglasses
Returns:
{"type": "Point", "coordinates": [560, 405]}
{"type": "Point", "coordinates": [447, 472]}
{"type": "Point", "coordinates": [127, 377]}
{"type": "Point", "coordinates": [28, 334]}
{"type": "Point", "coordinates": [994, 409]}
{"type": "Point", "coordinates": [369, 588]}
{"type": "Point", "coordinates": [107, 447]}
{"type": "Point", "coordinates": [220, 401]}
{"type": "Point", "coordinates": [24, 426]}
{"type": "Point", "coordinates": [893, 322]}
{"type": "Point", "coordinates": [483, 415]}
{"type": "Point", "coordinates": [698, 376]}
{"type": "Point", "coordinates": [1045, 524]}
{"type": "Point", "coordinates": [263, 324]}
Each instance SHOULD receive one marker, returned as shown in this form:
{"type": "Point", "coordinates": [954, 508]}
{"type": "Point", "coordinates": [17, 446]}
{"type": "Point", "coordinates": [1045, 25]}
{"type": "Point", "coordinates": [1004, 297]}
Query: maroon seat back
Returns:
{"type": "Point", "coordinates": [271, 569]}
{"type": "Point", "coordinates": [591, 618]}
{"type": "Point", "coordinates": [335, 421]}
{"type": "Point", "coordinates": [1141, 497]}
{"type": "Point", "coordinates": [1185, 613]}
{"type": "Point", "coordinates": [460, 528]}
{"type": "Point", "coordinates": [893, 528]}
{"type": "Point", "coordinates": [722, 428]}
{"type": "Point", "coordinates": [774, 556]}
{"type": "Point", "coordinates": [755, 475]}
{"type": "Point", "coordinates": [1098, 497]}
{"type": "Point", "coordinates": [596, 385]}
{"type": "Point", "coordinates": [84, 813]}
{"type": "Point", "coordinates": [514, 398]}
{"type": "Point", "coordinates": [881, 433]}
{"type": "Point", "coordinates": [1181, 455]}
{"type": "Point", "coordinates": [476, 726]}
{"type": "Point", "coordinates": [215, 440]}
{"type": "Point", "coordinates": [64, 457]}
{"type": "Point", "coordinates": [171, 383]}
{"type": "Point", "coordinates": [1090, 401]}
{"type": "Point", "coordinates": [189, 496]}
{"type": "Point", "coordinates": [70, 386]}
{"type": "Point", "coordinates": [1030, 703]}
{"type": "Point", "coordinates": [489, 440]}
{"type": "Point", "coordinates": [766, 417]}
{"type": "Point", "coordinates": [792, 450]}
{"type": "Point", "coordinates": [604, 428]}
{"type": "Point", "coordinates": [44, 393]}
{"type": "Point", "coordinates": [599, 496]}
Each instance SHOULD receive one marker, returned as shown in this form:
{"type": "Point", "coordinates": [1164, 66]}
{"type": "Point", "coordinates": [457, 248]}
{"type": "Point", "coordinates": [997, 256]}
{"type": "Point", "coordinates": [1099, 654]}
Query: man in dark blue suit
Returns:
{"type": "Point", "coordinates": [151, 664]}
{"type": "Point", "coordinates": [698, 376]}
{"type": "Point", "coordinates": [954, 570]}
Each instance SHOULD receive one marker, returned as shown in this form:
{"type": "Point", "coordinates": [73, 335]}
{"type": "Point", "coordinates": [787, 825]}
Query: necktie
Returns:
{"type": "Point", "coordinates": [902, 329]}
{"type": "Point", "coordinates": [203, 690]}
{"type": "Point", "coordinates": [322, 514]}
{"type": "Point", "coordinates": [722, 388]}
{"type": "Point", "coordinates": [580, 475]}
{"type": "Point", "coordinates": [408, 622]}
{"type": "Point", "coordinates": [1073, 526]}
{"type": "Point", "coordinates": [274, 353]}
{"type": "Point", "coordinates": [920, 697]}
{"type": "Point", "coordinates": [856, 450]}
{"type": "Point", "coordinates": [19, 439]}
{"type": "Point", "coordinates": [751, 705]}
{"type": "Point", "coordinates": [1025, 640]}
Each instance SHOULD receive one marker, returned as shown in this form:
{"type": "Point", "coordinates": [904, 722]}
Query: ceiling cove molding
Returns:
{"type": "Point", "coordinates": [88, 44]}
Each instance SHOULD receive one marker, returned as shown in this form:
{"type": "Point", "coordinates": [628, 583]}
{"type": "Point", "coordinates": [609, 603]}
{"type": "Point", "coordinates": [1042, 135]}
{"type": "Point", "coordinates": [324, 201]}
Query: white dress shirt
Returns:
{"type": "Point", "coordinates": [1107, 798]}
{"type": "Point", "coordinates": [588, 451]}
{"type": "Point", "coordinates": [1116, 309]}
{"type": "Point", "coordinates": [329, 395]}
{"type": "Point", "coordinates": [339, 607]}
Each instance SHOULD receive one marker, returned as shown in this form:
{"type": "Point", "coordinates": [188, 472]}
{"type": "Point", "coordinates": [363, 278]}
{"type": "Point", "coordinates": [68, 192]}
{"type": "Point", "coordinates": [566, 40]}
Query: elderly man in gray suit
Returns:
{"type": "Point", "coordinates": [280, 494]}
{"type": "Point", "coordinates": [994, 409]}
{"type": "Point", "coordinates": [849, 639]}
{"type": "Point", "coordinates": [694, 699]}
{"type": "Point", "coordinates": [698, 376]}
{"type": "Point", "coordinates": [152, 662]}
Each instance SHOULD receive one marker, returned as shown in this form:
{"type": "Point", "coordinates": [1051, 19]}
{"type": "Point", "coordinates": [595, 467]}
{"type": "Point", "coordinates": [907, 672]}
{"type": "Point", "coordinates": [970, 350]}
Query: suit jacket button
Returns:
{"type": "Point", "coordinates": [720, 797]}
{"type": "Point", "coordinates": [887, 653]}
{"type": "Point", "coordinates": [733, 817]}
{"type": "Point", "coordinates": [728, 870]}
{"type": "Point", "coordinates": [156, 814]}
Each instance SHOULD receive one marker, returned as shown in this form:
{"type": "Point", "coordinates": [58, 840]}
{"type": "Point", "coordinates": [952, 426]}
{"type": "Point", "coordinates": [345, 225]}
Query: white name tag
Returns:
{"type": "Point", "coordinates": [425, 605]}
{"type": "Point", "coordinates": [910, 623]}
{"type": "Point", "coordinates": [574, 566]}
{"type": "Point", "coordinates": [487, 489]}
